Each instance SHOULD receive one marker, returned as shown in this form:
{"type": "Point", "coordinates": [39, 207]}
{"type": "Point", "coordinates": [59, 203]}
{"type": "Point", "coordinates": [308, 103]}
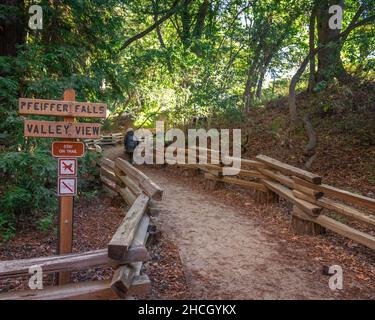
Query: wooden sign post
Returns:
{"type": "Point", "coordinates": [69, 130]}
{"type": "Point", "coordinates": [66, 205]}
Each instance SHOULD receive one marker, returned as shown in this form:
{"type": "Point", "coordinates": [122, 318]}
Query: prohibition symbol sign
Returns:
{"type": "Point", "coordinates": [67, 167]}
{"type": "Point", "coordinates": [67, 186]}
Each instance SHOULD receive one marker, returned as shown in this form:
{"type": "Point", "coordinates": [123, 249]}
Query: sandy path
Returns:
{"type": "Point", "coordinates": [225, 254]}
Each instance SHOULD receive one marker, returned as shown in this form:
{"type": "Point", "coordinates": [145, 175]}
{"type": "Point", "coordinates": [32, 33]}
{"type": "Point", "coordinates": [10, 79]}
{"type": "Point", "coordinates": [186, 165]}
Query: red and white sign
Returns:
{"type": "Point", "coordinates": [67, 167]}
{"type": "Point", "coordinates": [67, 186]}
{"type": "Point", "coordinates": [69, 149]}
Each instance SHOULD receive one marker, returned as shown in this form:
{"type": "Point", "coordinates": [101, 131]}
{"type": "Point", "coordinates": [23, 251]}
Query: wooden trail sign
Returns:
{"type": "Point", "coordinates": [55, 129]}
{"type": "Point", "coordinates": [69, 130]}
{"type": "Point", "coordinates": [61, 108]}
{"type": "Point", "coordinates": [62, 149]}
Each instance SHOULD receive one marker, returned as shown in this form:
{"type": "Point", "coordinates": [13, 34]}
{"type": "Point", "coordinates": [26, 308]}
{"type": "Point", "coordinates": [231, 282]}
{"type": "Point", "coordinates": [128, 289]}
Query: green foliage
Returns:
{"type": "Point", "coordinates": [276, 126]}
{"type": "Point", "coordinates": [88, 178]}
{"type": "Point", "coordinates": [90, 194]}
{"type": "Point", "coordinates": [320, 86]}
{"type": "Point", "coordinates": [30, 185]}
{"type": "Point", "coordinates": [45, 223]}
{"type": "Point", "coordinates": [7, 227]}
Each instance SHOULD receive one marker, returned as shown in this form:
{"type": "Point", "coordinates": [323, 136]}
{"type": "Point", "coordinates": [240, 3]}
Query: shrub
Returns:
{"type": "Point", "coordinates": [29, 186]}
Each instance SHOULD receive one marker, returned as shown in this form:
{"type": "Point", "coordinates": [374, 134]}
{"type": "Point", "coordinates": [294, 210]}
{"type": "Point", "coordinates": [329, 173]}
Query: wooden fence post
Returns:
{"type": "Point", "coordinates": [262, 197]}
{"type": "Point", "coordinates": [302, 224]}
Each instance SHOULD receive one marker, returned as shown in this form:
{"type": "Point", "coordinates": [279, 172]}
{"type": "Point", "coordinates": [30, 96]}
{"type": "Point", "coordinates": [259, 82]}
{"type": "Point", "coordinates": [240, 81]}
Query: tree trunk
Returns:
{"type": "Point", "coordinates": [329, 61]}
{"type": "Point", "coordinates": [309, 152]}
{"type": "Point", "coordinates": [186, 23]}
{"type": "Point", "coordinates": [251, 82]}
{"type": "Point", "coordinates": [12, 29]}
{"type": "Point", "coordinates": [201, 17]}
{"type": "Point", "coordinates": [158, 32]}
{"type": "Point", "coordinates": [199, 26]}
{"type": "Point", "coordinates": [292, 90]}
{"type": "Point", "coordinates": [259, 86]}
{"type": "Point", "coordinates": [262, 74]}
{"type": "Point", "coordinates": [263, 70]}
{"type": "Point", "coordinates": [252, 79]}
{"type": "Point", "coordinates": [312, 76]}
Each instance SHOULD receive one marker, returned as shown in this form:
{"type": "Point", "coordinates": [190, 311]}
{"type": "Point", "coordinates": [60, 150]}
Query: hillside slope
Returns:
{"type": "Point", "coordinates": [344, 121]}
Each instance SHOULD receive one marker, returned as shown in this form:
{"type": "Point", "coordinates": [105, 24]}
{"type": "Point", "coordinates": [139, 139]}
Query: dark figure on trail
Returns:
{"type": "Point", "coordinates": [130, 143]}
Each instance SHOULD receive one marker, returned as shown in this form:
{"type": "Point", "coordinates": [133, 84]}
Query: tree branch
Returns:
{"type": "Point", "coordinates": [175, 7]}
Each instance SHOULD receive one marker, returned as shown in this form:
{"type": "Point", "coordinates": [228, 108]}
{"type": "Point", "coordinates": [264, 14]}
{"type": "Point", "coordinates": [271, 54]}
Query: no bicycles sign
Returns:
{"type": "Point", "coordinates": [67, 186]}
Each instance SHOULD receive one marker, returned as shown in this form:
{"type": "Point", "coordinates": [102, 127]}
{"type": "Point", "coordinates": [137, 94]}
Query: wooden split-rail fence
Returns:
{"type": "Point", "coordinates": [316, 205]}
{"type": "Point", "coordinates": [109, 139]}
{"type": "Point", "coordinates": [313, 204]}
{"type": "Point", "coordinates": [126, 252]}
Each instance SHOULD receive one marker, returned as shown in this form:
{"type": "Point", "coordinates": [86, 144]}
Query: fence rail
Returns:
{"type": "Point", "coordinates": [311, 198]}
{"type": "Point", "coordinates": [110, 139]}
{"type": "Point", "coordinates": [138, 191]}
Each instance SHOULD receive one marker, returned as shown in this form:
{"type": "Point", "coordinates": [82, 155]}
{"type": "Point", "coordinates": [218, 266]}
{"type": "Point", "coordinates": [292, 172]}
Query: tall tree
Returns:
{"type": "Point", "coordinates": [329, 57]}
{"type": "Point", "coordinates": [312, 77]}
{"type": "Point", "coordinates": [12, 26]}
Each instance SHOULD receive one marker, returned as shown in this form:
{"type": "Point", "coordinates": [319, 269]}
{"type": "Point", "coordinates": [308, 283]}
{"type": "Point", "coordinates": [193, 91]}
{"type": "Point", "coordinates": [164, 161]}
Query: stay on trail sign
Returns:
{"type": "Point", "coordinates": [61, 149]}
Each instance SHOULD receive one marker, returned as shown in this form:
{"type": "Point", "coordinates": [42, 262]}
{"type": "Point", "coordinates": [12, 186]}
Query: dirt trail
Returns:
{"type": "Point", "coordinates": [227, 255]}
